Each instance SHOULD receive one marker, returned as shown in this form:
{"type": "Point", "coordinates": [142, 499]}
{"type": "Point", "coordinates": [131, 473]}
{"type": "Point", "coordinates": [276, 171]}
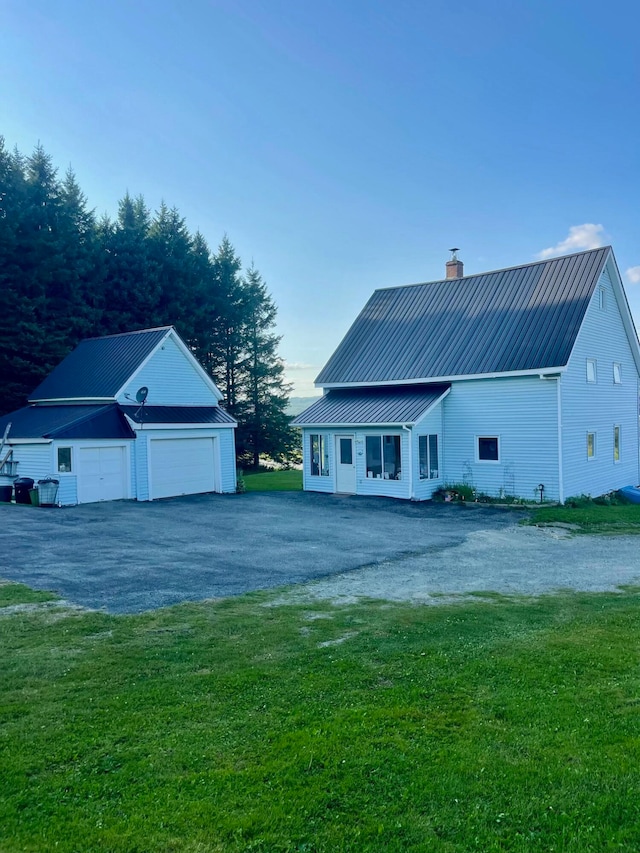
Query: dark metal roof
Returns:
{"type": "Point", "coordinates": [99, 367]}
{"type": "Point", "coordinates": [367, 406]}
{"type": "Point", "coordinates": [178, 414]}
{"type": "Point", "coordinates": [70, 421]}
{"type": "Point", "coordinates": [522, 318]}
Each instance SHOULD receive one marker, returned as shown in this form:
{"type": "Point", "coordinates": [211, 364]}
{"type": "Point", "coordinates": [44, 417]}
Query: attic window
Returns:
{"type": "Point", "coordinates": [592, 372]}
{"type": "Point", "coordinates": [617, 373]}
{"type": "Point", "coordinates": [602, 298]}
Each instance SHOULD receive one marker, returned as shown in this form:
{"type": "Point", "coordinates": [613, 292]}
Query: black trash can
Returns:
{"type": "Point", "coordinates": [21, 488]}
{"type": "Point", "coordinates": [5, 493]}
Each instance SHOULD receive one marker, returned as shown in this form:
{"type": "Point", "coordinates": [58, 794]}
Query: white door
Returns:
{"type": "Point", "coordinates": [101, 474]}
{"type": "Point", "coordinates": [345, 464]}
{"type": "Point", "coordinates": [181, 466]}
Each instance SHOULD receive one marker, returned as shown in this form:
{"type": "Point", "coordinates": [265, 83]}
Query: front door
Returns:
{"type": "Point", "coordinates": [345, 464]}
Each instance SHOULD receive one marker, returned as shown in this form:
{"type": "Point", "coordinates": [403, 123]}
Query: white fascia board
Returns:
{"type": "Point", "coordinates": [437, 380]}
{"type": "Point", "coordinates": [623, 305]}
{"type": "Point", "coordinates": [12, 441]}
{"type": "Point", "coordinates": [145, 427]}
{"type": "Point", "coordinates": [70, 401]}
{"type": "Point", "coordinates": [329, 427]}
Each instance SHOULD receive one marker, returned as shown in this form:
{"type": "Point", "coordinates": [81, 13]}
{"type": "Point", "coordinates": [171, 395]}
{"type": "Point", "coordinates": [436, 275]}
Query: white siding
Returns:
{"type": "Point", "coordinates": [227, 462]}
{"type": "Point", "coordinates": [140, 463]}
{"type": "Point", "coordinates": [598, 407]}
{"type": "Point", "coordinates": [431, 425]}
{"type": "Point", "coordinates": [172, 379]}
{"type": "Point", "coordinates": [35, 460]}
{"type": "Point", "coordinates": [318, 484]}
{"type": "Point", "coordinates": [522, 411]}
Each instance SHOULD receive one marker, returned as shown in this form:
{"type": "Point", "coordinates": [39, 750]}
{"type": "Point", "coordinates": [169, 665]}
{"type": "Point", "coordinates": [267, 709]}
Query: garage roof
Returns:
{"type": "Point", "coordinates": [178, 414]}
{"type": "Point", "coordinates": [67, 421]}
{"type": "Point", "coordinates": [98, 367]}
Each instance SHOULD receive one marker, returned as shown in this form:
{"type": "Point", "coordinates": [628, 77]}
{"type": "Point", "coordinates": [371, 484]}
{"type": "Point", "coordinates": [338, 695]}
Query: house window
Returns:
{"type": "Point", "coordinates": [591, 445]}
{"type": "Point", "coordinates": [383, 457]}
{"type": "Point", "coordinates": [428, 453]}
{"type": "Point", "coordinates": [592, 370]}
{"type": "Point", "coordinates": [617, 373]}
{"type": "Point", "coordinates": [64, 460]}
{"type": "Point", "coordinates": [602, 298]}
{"type": "Point", "coordinates": [616, 444]}
{"type": "Point", "coordinates": [319, 455]}
{"type": "Point", "coordinates": [488, 448]}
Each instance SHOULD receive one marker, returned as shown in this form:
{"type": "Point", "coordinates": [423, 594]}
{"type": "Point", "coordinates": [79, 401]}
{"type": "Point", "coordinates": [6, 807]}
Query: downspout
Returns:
{"type": "Point", "coordinates": [560, 468]}
{"type": "Point", "coordinates": [410, 436]}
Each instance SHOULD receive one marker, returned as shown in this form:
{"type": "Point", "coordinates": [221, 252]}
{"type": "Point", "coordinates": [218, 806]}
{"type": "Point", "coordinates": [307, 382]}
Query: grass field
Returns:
{"type": "Point", "coordinates": [491, 725]}
{"type": "Point", "coordinates": [592, 518]}
{"type": "Point", "coordinates": [274, 481]}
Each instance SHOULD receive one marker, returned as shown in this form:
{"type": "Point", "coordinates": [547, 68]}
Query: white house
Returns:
{"type": "Point", "coordinates": [126, 416]}
{"type": "Point", "coordinates": [507, 381]}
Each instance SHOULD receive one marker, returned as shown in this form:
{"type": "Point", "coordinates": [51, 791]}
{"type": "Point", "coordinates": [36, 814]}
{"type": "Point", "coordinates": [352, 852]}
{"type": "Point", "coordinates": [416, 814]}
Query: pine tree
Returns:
{"type": "Point", "coordinates": [264, 426]}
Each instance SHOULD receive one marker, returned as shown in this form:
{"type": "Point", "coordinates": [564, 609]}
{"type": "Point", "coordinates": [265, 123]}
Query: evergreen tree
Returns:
{"type": "Point", "coordinates": [130, 287]}
{"type": "Point", "coordinates": [264, 426]}
{"type": "Point", "coordinates": [226, 332]}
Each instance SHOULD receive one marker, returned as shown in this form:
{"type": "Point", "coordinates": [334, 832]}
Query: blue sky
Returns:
{"type": "Point", "coordinates": [343, 145]}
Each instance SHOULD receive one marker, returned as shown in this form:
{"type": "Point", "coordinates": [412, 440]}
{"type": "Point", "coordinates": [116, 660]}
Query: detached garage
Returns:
{"type": "Point", "coordinates": [126, 416]}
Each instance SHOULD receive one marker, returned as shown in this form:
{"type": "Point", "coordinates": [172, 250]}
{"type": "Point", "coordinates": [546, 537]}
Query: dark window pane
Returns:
{"type": "Point", "coordinates": [433, 457]}
{"type": "Point", "coordinates": [488, 449]}
{"type": "Point", "coordinates": [374, 456]}
{"type": "Point", "coordinates": [424, 457]}
{"type": "Point", "coordinates": [314, 441]}
{"type": "Point", "coordinates": [346, 451]}
{"type": "Point", "coordinates": [391, 446]}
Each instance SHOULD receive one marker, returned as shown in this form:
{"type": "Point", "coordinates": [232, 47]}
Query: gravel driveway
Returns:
{"type": "Point", "coordinates": [126, 557]}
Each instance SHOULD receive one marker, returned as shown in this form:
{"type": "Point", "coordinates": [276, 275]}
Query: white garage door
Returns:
{"type": "Point", "coordinates": [101, 474]}
{"type": "Point", "coordinates": [181, 466]}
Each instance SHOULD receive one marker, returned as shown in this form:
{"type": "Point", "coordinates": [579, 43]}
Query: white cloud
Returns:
{"type": "Point", "coordinates": [581, 237]}
{"type": "Point", "coordinates": [633, 274]}
{"type": "Point", "coordinates": [299, 365]}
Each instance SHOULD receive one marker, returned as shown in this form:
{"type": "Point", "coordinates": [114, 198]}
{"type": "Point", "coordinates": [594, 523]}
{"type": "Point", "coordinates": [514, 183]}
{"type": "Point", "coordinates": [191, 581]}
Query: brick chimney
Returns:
{"type": "Point", "coordinates": [454, 267]}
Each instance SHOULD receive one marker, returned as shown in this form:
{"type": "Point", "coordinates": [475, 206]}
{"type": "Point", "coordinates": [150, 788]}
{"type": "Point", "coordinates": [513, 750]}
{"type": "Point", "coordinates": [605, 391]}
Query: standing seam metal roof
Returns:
{"type": "Point", "coordinates": [522, 318]}
{"type": "Point", "coordinates": [98, 367]}
{"type": "Point", "coordinates": [368, 406]}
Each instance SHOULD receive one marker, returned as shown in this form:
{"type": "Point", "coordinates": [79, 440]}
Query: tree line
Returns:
{"type": "Point", "coordinates": [66, 274]}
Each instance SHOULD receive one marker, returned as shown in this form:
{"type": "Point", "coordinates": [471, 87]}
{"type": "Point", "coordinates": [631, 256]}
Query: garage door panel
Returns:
{"type": "Point", "coordinates": [181, 466]}
{"type": "Point", "coordinates": [101, 475]}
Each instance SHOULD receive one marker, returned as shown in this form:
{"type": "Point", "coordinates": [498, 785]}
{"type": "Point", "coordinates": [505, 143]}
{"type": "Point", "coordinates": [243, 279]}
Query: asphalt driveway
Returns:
{"type": "Point", "coordinates": [126, 557]}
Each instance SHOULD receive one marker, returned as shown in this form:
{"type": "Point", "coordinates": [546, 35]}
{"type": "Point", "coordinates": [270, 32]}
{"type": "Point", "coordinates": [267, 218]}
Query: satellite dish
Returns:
{"type": "Point", "coordinates": [142, 394]}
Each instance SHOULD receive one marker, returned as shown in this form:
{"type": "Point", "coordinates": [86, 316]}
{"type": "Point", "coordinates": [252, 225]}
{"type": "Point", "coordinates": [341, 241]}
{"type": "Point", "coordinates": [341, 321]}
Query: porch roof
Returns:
{"type": "Point", "coordinates": [372, 406]}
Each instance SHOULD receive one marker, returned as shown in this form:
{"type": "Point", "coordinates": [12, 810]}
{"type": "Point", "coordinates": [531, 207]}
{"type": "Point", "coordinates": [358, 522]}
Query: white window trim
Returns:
{"type": "Point", "coordinates": [594, 433]}
{"type": "Point", "coordinates": [619, 459]}
{"type": "Point", "coordinates": [71, 454]}
{"type": "Point", "coordinates": [477, 449]}
{"type": "Point", "coordinates": [617, 379]}
{"type": "Point", "coordinates": [602, 299]}
{"type": "Point", "coordinates": [428, 435]}
{"type": "Point", "coordinates": [594, 362]}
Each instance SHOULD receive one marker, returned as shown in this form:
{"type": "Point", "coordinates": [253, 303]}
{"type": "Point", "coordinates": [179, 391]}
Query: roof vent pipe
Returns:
{"type": "Point", "coordinates": [454, 267]}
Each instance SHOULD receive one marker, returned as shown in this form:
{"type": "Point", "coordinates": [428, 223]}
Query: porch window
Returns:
{"type": "Point", "coordinates": [383, 457]}
{"type": "Point", "coordinates": [428, 453]}
{"type": "Point", "coordinates": [319, 455]}
{"type": "Point", "coordinates": [64, 460]}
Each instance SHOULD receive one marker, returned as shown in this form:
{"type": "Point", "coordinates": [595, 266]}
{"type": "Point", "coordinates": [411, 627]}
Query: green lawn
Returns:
{"type": "Point", "coordinates": [501, 725]}
{"type": "Point", "coordinates": [274, 481]}
{"type": "Point", "coordinates": [592, 518]}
